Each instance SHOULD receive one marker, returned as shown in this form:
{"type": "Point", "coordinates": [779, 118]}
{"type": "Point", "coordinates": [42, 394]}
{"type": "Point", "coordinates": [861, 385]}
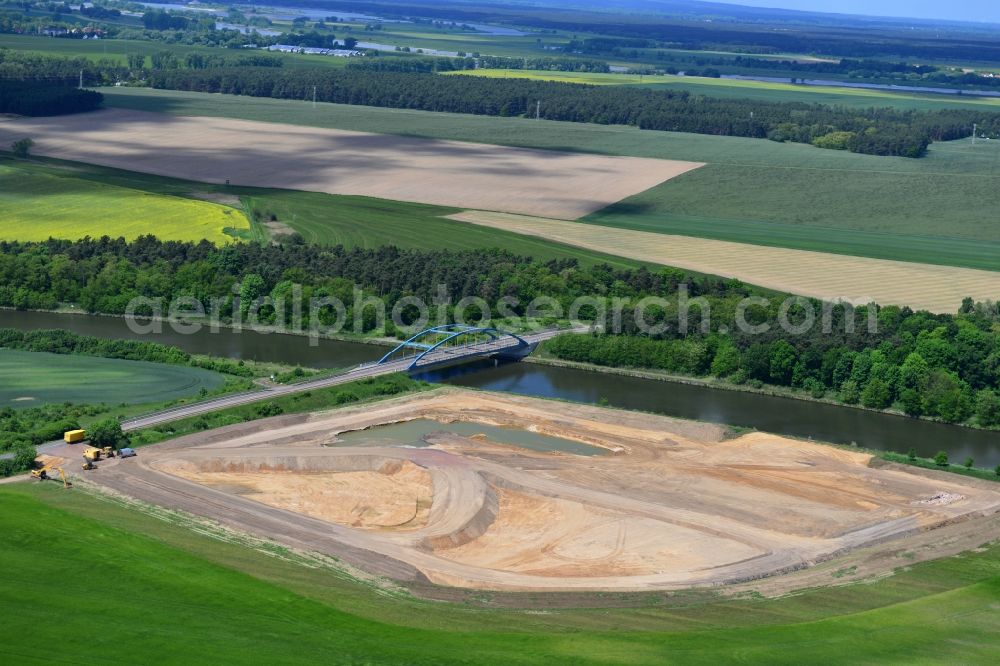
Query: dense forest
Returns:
{"type": "Point", "coordinates": [33, 98]}
{"type": "Point", "coordinates": [872, 131]}
{"type": "Point", "coordinates": [943, 366]}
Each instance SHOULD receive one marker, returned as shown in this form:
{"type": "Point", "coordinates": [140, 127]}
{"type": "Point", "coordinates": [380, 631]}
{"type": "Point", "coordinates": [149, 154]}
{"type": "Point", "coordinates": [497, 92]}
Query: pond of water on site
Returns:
{"type": "Point", "coordinates": [413, 433]}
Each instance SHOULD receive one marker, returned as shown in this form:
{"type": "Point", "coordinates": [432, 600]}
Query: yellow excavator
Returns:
{"type": "Point", "coordinates": [42, 474]}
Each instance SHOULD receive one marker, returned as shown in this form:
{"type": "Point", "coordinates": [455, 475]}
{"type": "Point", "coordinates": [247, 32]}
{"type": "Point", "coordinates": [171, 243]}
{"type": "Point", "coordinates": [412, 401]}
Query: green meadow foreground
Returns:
{"type": "Point", "coordinates": [39, 204]}
{"type": "Point", "coordinates": [31, 379]}
{"type": "Point", "coordinates": [203, 595]}
{"type": "Point", "coordinates": [751, 190]}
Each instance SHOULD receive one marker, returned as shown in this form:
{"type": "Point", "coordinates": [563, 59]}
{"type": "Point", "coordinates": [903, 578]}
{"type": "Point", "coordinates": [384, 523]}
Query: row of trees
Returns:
{"type": "Point", "coordinates": [945, 366]}
{"type": "Point", "coordinates": [66, 342]}
{"type": "Point", "coordinates": [438, 64]}
{"type": "Point", "coordinates": [103, 275]}
{"type": "Point", "coordinates": [547, 64]}
{"type": "Point", "coordinates": [949, 373]}
{"type": "Point", "coordinates": [33, 98]}
{"type": "Point", "coordinates": [877, 131]}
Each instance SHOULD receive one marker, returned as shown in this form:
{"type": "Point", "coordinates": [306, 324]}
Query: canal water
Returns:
{"type": "Point", "coordinates": [831, 423]}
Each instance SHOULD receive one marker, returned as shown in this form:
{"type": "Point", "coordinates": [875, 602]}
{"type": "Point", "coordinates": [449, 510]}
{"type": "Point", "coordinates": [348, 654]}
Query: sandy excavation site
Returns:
{"type": "Point", "coordinates": [448, 173]}
{"type": "Point", "coordinates": [665, 504]}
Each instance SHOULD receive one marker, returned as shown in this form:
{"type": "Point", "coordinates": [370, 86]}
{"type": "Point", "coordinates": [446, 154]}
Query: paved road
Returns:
{"type": "Point", "coordinates": [360, 372]}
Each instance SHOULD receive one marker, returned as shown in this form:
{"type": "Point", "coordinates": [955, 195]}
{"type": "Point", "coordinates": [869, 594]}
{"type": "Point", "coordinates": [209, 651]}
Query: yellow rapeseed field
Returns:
{"type": "Point", "coordinates": [35, 206]}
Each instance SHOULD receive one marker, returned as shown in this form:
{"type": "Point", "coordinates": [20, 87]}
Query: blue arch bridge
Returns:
{"type": "Point", "coordinates": [452, 343]}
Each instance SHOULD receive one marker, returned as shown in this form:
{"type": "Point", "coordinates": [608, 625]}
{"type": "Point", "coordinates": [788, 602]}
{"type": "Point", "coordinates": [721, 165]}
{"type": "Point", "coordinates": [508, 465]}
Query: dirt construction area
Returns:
{"type": "Point", "coordinates": [664, 504]}
{"type": "Point", "coordinates": [449, 173]}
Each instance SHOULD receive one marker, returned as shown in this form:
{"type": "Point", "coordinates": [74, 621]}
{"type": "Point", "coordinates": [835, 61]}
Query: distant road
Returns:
{"type": "Point", "coordinates": [360, 372]}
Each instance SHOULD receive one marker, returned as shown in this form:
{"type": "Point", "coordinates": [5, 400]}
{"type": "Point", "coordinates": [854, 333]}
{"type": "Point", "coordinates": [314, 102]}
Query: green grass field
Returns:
{"type": "Point", "coordinates": [30, 379]}
{"type": "Point", "coordinates": [40, 203]}
{"type": "Point", "coordinates": [176, 594]}
{"type": "Point", "coordinates": [787, 195]}
{"type": "Point", "coordinates": [366, 222]}
{"type": "Point", "coordinates": [764, 91]}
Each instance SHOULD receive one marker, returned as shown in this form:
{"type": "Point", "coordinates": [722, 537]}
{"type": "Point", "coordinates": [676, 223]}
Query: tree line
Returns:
{"type": "Point", "coordinates": [938, 365]}
{"type": "Point", "coordinates": [884, 131]}
{"type": "Point", "coordinates": [438, 64]}
{"type": "Point", "coordinates": [57, 341]}
{"type": "Point", "coordinates": [34, 98]}
{"type": "Point", "coordinates": [546, 64]}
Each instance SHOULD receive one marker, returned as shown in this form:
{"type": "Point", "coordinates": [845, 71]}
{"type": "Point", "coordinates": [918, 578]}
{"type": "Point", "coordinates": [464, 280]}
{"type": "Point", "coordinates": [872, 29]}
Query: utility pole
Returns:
{"type": "Point", "coordinates": [538, 110]}
{"type": "Point", "coordinates": [314, 97]}
{"type": "Point", "coordinates": [974, 126]}
{"type": "Point", "coordinates": [81, 79]}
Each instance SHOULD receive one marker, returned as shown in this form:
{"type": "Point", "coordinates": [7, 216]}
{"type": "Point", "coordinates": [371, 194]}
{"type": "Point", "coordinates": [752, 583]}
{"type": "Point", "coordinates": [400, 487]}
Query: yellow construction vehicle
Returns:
{"type": "Point", "coordinates": [74, 436]}
{"type": "Point", "coordinates": [92, 454]}
{"type": "Point", "coordinates": [108, 451]}
{"type": "Point", "coordinates": [87, 464]}
{"type": "Point", "coordinates": [43, 474]}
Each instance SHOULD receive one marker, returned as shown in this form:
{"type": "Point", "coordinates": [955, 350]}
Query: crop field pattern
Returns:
{"type": "Point", "coordinates": [36, 206]}
{"type": "Point", "coordinates": [30, 379]}
{"type": "Point", "coordinates": [786, 195]}
{"type": "Point", "coordinates": [534, 182]}
{"type": "Point", "coordinates": [816, 274]}
{"type": "Point", "coordinates": [330, 219]}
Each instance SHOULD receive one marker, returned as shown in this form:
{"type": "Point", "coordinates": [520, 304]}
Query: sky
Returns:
{"type": "Point", "coordinates": [958, 10]}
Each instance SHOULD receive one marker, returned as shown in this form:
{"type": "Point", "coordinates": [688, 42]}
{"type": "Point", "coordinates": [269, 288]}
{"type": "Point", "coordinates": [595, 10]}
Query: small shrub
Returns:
{"type": "Point", "coordinates": [22, 147]}
{"type": "Point", "coordinates": [268, 409]}
{"type": "Point", "coordinates": [941, 459]}
{"type": "Point", "coordinates": [912, 455]}
{"type": "Point", "coordinates": [345, 397]}
{"type": "Point", "coordinates": [968, 463]}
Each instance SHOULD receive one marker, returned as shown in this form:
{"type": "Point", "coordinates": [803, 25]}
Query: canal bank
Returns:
{"type": "Point", "coordinates": [797, 417]}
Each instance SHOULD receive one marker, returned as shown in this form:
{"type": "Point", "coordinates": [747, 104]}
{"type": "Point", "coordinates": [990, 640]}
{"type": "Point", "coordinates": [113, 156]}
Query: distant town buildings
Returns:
{"type": "Point", "coordinates": [291, 48]}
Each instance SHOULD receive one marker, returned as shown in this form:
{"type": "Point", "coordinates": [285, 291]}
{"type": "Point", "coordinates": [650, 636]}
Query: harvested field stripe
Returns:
{"type": "Point", "coordinates": [550, 183]}
{"type": "Point", "coordinates": [816, 274]}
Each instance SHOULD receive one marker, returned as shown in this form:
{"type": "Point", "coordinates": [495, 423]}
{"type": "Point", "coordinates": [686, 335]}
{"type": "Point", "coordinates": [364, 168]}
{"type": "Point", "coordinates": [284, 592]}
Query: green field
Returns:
{"type": "Point", "coordinates": [40, 203]}
{"type": "Point", "coordinates": [764, 91]}
{"type": "Point", "coordinates": [30, 379]}
{"type": "Point", "coordinates": [177, 594]}
{"type": "Point", "coordinates": [321, 218]}
{"type": "Point", "coordinates": [354, 221]}
{"type": "Point", "coordinates": [787, 195]}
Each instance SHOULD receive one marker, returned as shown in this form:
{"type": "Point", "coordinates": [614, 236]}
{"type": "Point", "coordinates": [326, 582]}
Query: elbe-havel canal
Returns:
{"type": "Point", "coordinates": [819, 421]}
